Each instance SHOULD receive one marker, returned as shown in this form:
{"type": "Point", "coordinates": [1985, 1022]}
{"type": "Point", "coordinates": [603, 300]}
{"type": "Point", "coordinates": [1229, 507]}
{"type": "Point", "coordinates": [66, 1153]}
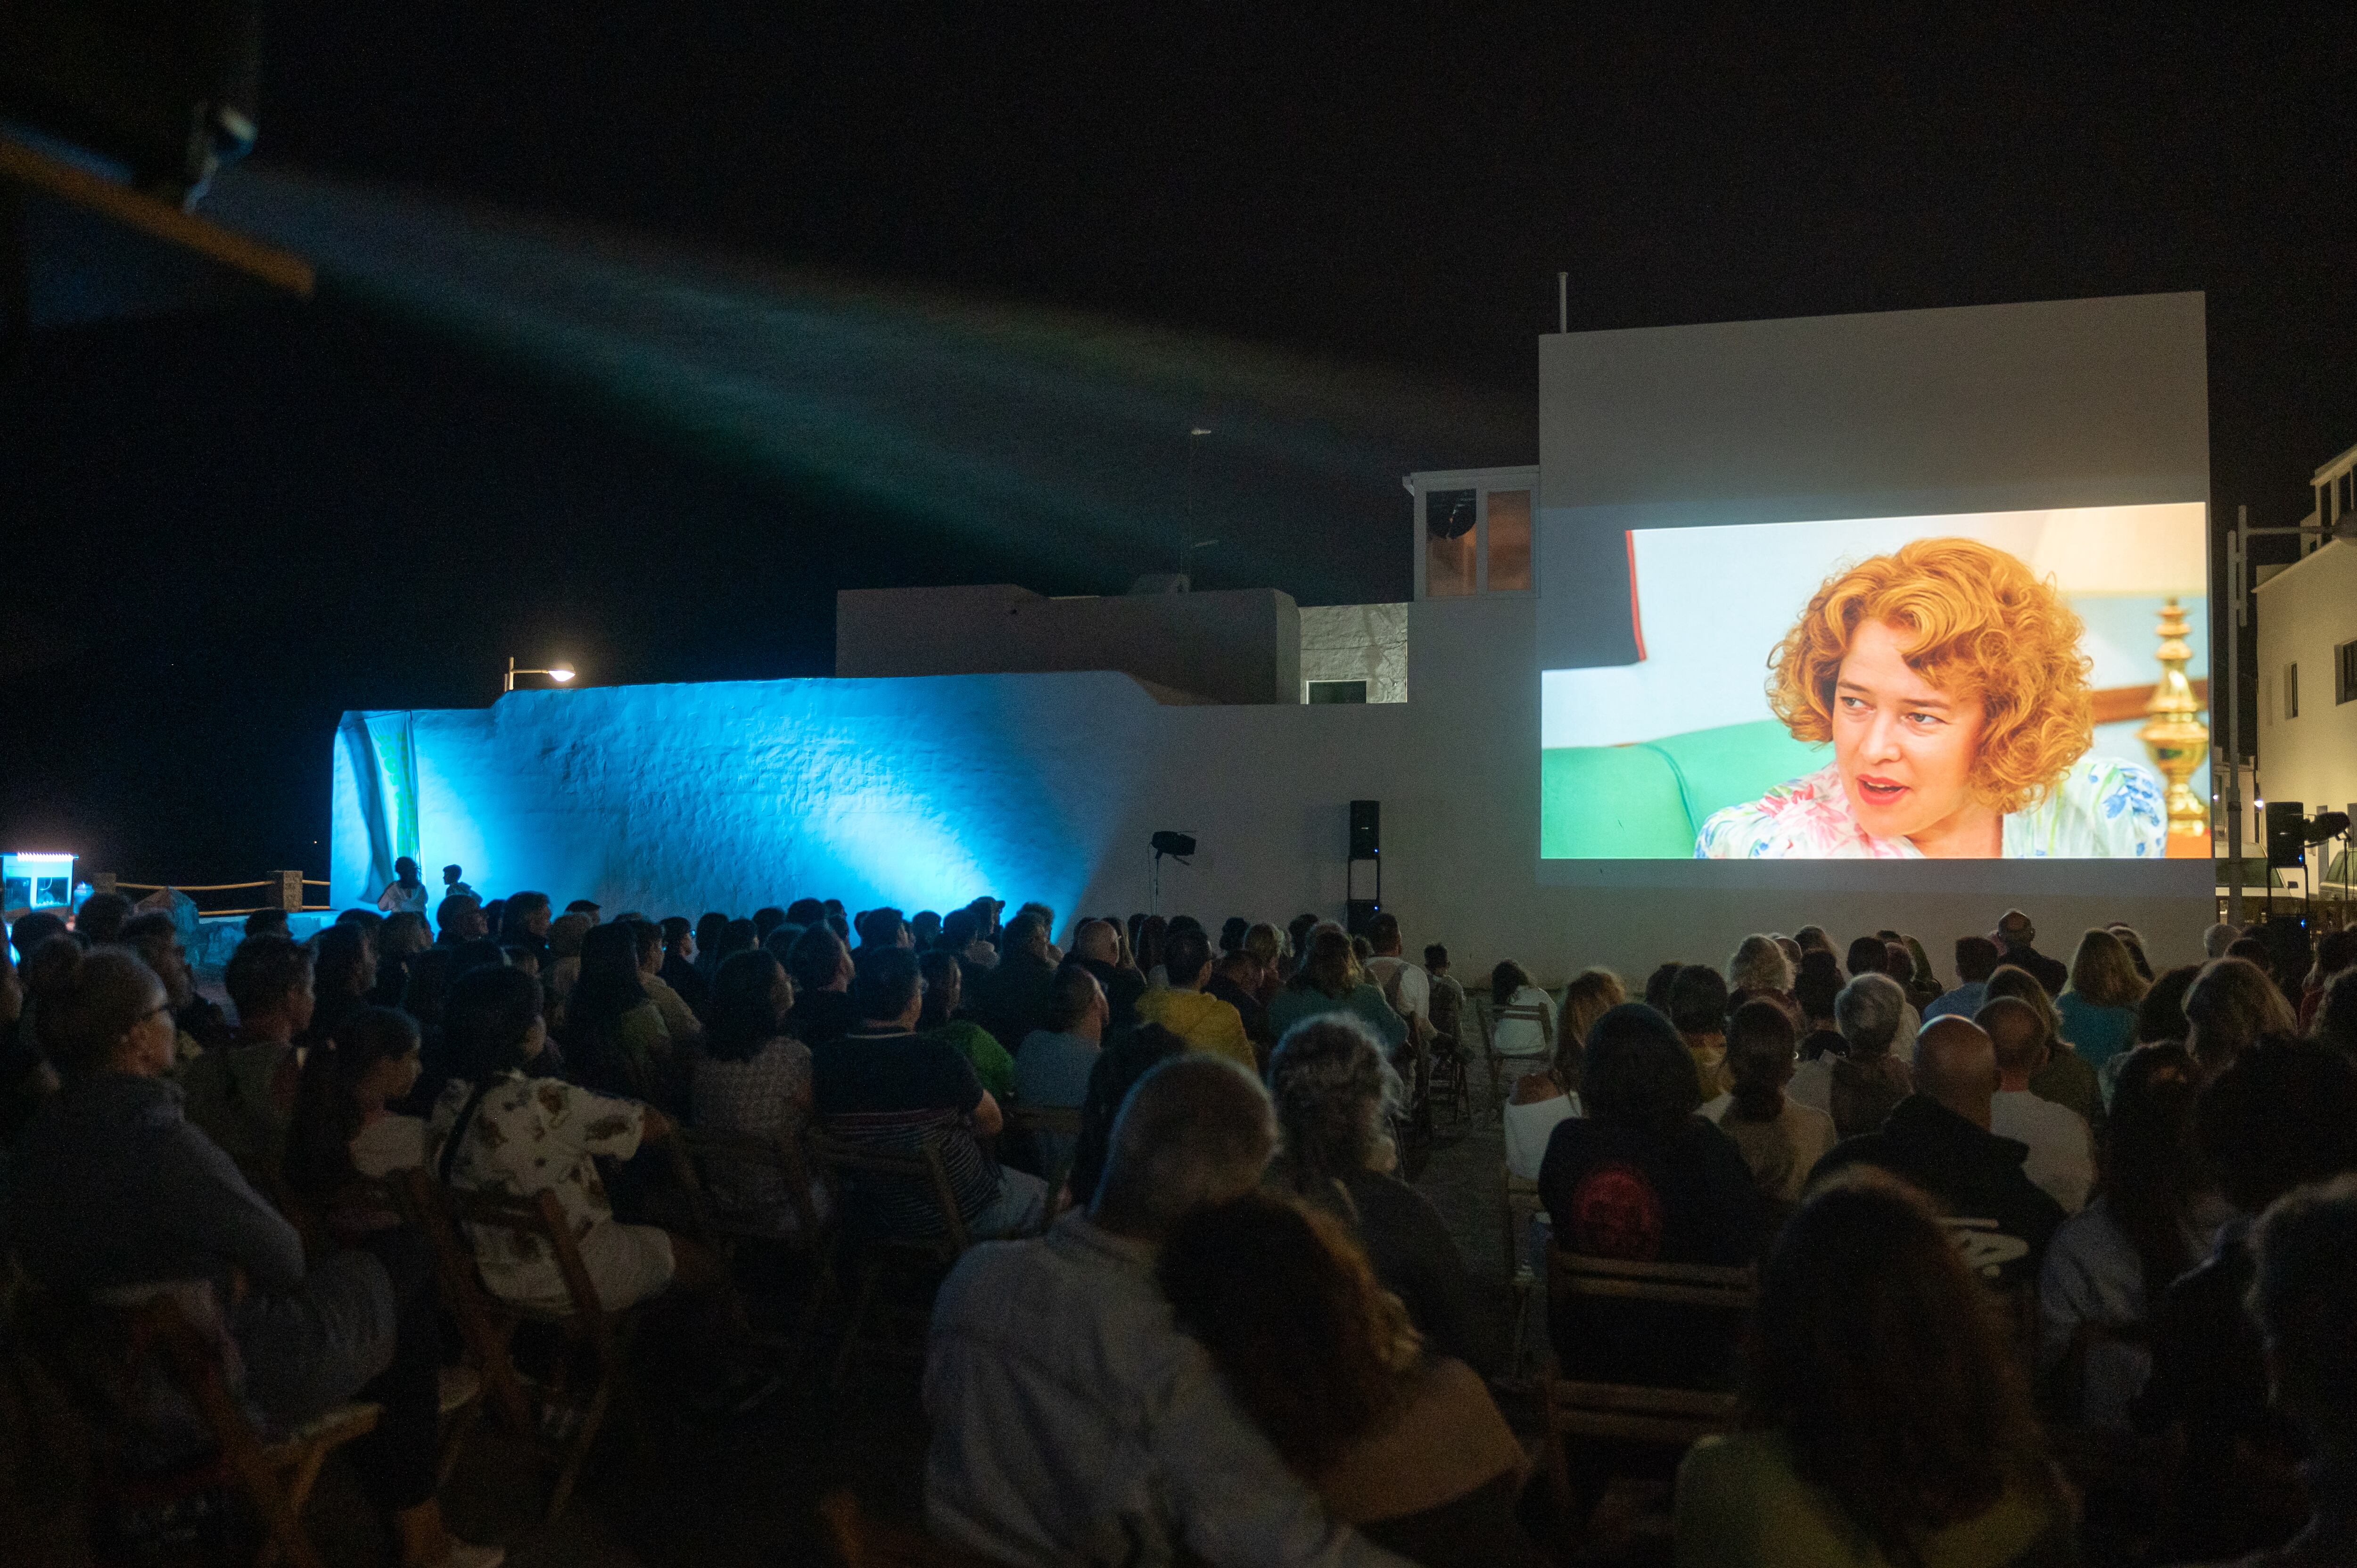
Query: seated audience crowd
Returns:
{"type": "Point", "coordinates": [1987, 1227]}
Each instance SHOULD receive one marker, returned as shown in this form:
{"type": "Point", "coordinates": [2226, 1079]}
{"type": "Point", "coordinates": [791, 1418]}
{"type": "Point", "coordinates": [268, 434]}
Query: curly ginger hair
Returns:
{"type": "Point", "coordinates": [1981, 625]}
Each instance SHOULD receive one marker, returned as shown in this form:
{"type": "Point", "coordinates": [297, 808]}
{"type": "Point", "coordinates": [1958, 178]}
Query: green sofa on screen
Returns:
{"type": "Point", "coordinates": [1646, 800]}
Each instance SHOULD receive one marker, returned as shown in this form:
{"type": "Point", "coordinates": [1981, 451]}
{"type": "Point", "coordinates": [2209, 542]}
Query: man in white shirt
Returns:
{"type": "Point", "coordinates": [2061, 1151]}
{"type": "Point", "coordinates": [1073, 1421]}
{"type": "Point", "coordinates": [1404, 984]}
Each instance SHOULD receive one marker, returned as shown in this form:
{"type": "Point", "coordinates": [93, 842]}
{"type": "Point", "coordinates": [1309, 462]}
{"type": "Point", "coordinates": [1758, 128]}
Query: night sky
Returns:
{"type": "Point", "coordinates": [225, 521]}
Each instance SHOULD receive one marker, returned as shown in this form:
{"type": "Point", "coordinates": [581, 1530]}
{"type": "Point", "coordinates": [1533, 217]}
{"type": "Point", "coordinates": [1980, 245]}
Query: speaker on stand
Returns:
{"type": "Point", "coordinates": [1366, 845]}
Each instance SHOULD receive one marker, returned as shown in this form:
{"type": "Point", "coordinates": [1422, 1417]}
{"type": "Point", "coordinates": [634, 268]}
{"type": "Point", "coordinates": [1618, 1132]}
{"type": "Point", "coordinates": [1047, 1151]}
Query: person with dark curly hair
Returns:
{"type": "Point", "coordinates": [1407, 1447]}
{"type": "Point", "coordinates": [1883, 1419]}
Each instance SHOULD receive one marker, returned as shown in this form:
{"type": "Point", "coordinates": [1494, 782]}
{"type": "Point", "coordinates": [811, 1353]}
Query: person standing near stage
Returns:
{"type": "Point", "coordinates": [404, 894]}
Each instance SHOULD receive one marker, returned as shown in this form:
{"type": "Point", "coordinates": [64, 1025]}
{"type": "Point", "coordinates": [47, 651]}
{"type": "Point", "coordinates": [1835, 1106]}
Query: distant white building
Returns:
{"type": "Point", "coordinates": [2307, 615]}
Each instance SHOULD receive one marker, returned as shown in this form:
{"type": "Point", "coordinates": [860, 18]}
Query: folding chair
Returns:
{"type": "Point", "coordinates": [1633, 1413]}
{"type": "Point", "coordinates": [1517, 1200]}
{"type": "Point", "coordinates": [1445, 1077]}
{"type": "Point", "coordinates": [707, 1162]}
{"type": "Point", "coordinates": [488, 1322]}
{"type": "Point", "coordinates": [1056, 1121]}
{"type": "Point", "coordinates": [102, 1354]}
{"type": "Point", "coordinates": [857, 1173]}
{"type": "Point", "coordinates": [1518, 1204]}
{"type": "Point", "coordinates": [1527, 1012]}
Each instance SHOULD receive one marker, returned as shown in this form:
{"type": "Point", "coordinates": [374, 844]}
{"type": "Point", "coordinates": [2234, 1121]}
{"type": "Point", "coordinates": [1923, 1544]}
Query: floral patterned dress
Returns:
{"type": "Point", "coordinates": [2101, 810]}
{"type": "Point", "coordinates": [531, 1133]}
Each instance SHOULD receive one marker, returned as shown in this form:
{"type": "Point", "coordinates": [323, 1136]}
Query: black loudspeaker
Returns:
{"type": "Point", "coordinates": [1366, 830]}
{"type": "Point", "coordinates": [1359, 912]}
{"type": "Point", "coordinates": [2286, 834]}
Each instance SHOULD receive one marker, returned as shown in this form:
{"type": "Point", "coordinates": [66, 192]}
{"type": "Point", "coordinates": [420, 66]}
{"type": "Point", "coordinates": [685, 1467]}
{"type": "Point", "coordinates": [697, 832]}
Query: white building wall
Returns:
{"type": "Point", "coordinates": [1356, 642]}
{"type": "Point", "coordinates": [2303, 612]}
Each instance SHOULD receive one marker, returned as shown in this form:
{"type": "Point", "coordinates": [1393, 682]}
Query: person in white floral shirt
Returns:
{"type": "Point", "coordinates": [523, 1135]}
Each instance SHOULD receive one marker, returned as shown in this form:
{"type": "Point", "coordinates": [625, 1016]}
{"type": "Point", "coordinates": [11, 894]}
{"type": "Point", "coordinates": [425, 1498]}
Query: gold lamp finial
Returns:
{"type": "Point", "coordinates": [2176, 739]}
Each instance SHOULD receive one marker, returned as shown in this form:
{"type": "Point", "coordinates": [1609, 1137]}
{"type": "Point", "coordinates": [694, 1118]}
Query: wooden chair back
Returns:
{"type": "Point", "coordinates": [538, 1218]}
{"type": "Point", "coordinates": [101, 1351]}
{"type": "Point", "coordinates": [1526, 1013]}
{"type": "Point", "coordinates": [488, 1322]}
{"type": "Point", "coordinates": [1061, 1122]}
{"type": "Point", "coordinates": [918, 1167]}
{"type": "Point", "coordinates": [483, 1328]}
{"type": "Point", "coordinates": [695, 1154]}
{"type": "Point", "coordinates": [1518, 1201]}
{"type": "Point", "coordinates": [1624, 1412]}
{"type": "Point", "coordinates": [1626, 1279]}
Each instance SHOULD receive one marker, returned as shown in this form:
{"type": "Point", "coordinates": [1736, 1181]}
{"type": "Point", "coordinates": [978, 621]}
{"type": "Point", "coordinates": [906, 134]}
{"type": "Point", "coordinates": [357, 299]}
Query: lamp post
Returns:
{"type": "Point", "coordinates": [560, 673]}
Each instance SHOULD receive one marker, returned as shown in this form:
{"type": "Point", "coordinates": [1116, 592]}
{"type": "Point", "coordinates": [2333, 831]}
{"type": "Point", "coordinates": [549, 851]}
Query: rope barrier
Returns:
{"type": "Point", "coordinates": [228, 914]}
{"type": "Point", "coordinates": [194, 886]}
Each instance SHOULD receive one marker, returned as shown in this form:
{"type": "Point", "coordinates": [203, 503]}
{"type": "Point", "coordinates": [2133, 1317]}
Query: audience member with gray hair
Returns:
{"type": "Point", "coordinates": [1759, 966]}
{"type": "Point", "coordinates": [1868, 1080]}
{"type": "Point", "coordinates": [1335, 1096]}
{"type": "Point", "coordinates": [1072, 1420]}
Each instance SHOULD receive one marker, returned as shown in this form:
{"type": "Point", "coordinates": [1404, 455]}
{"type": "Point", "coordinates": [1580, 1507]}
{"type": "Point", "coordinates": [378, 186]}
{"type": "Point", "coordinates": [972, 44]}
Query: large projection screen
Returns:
{"type": "Point", "coordinates": [1959, 529]}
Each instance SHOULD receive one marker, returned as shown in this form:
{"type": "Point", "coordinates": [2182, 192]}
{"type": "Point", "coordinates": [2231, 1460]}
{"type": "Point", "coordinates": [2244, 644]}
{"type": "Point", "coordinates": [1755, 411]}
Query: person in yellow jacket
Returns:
{"type": "Point", "coordinates": [1204, 1022]}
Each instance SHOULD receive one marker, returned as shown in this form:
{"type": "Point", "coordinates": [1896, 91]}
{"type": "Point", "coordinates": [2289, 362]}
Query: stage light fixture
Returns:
{"type": "Point", "coordinates": [1175, 844]}
{"type": "Point", "coordinates": [2325, 826]}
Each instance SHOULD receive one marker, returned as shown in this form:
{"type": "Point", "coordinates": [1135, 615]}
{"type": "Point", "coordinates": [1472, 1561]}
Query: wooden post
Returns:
{"type": "Point", "coordinates": [290, 889]}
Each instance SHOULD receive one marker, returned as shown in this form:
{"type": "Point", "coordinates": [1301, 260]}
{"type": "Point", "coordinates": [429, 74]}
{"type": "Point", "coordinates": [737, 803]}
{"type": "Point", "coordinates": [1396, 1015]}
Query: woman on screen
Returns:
{"type": "Point", "coordinates": [1949, 681]}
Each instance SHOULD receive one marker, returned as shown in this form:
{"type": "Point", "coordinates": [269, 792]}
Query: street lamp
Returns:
{"type": "Point", "coordinates": [559, 674]}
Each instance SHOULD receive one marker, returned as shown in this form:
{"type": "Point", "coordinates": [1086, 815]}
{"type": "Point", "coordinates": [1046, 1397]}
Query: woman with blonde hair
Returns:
{"type": "Point", "coordinates": [1759, 968]}
{"type": "Point", "coordinates": [1948, 679]}
{"type": "Point", "coordinates": [2098, 1010]}
{"type": "Point", "coordinates": [1544, 1098]}
{"type": "Point", "coordinates": [1329, 981]}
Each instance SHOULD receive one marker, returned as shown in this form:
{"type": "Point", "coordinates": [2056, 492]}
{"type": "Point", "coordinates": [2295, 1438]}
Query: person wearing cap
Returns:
{"type": "Point", "coordinates": [2017, 937]}
{"type": "Point", "coordinates": [583, 906]}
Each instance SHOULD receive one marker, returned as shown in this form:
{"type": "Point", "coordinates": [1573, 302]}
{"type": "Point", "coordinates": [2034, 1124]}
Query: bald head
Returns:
{"type": "Point", "coordinates": [1096, 942]}
{"type": "Point", "coordinates": [2019, 1037]}
{"type": "Point", "coordinates": [1955, 1064]}
{"type": "Point", "coordinates": [1197, 1129]}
